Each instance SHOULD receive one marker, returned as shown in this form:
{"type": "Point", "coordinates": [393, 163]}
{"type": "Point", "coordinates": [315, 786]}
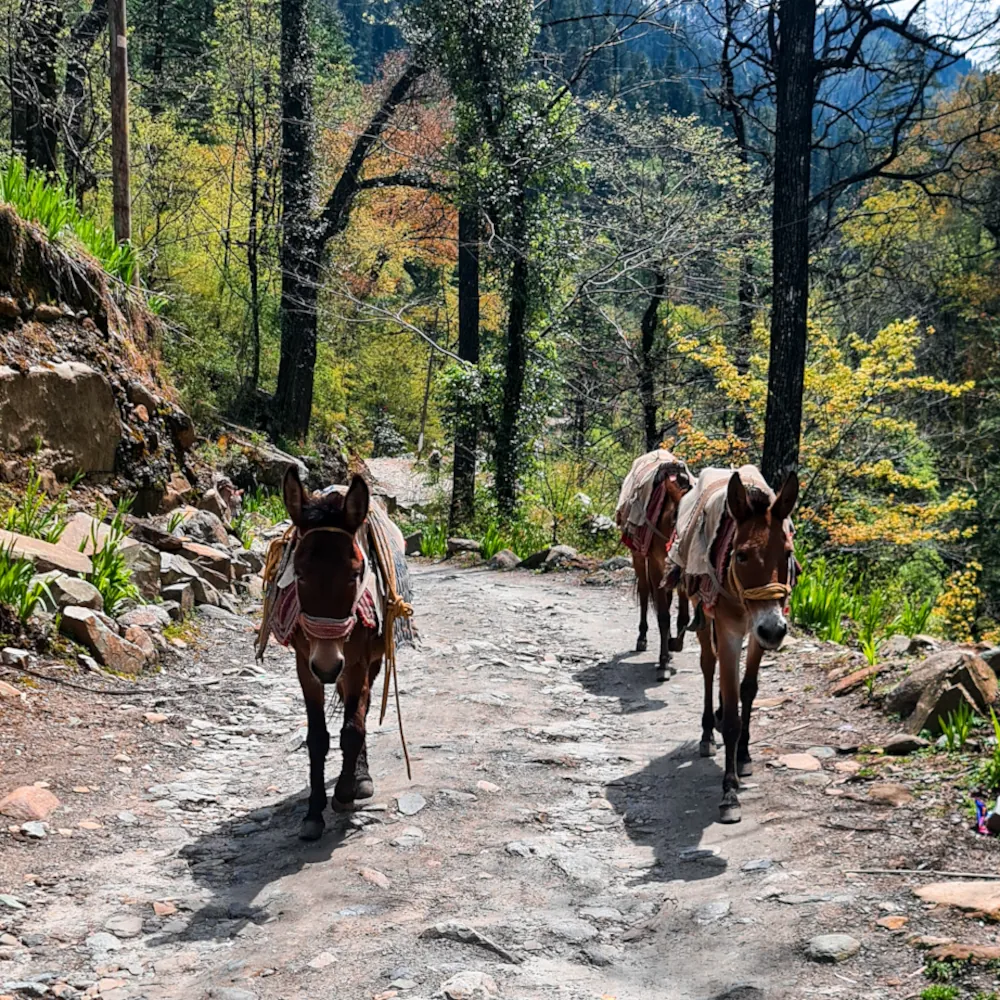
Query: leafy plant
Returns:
{"type": "Point", "coordinates": [38, 199]}
{"type": "Point", "coordinates": [956, 726]}
{"type": "Point", "coordinates": [175, 520]}
{"type": "Point", "coordinates": [820, 600]}
{"type": "Point", "coordinates": [943, 972]}
{"type": "Point", "coordinates": [16, 588]}
{"type": "Point", "coordinates": [914, 616]}
{"type": "Point", "coordinates": [434, 540]}
{"type": "Point", "coordinates": [270, 506]}
{"type": "Point", "coordinates": [988, 774]}
{"type": "Point", "coordinates": [492, 541]}
{"type": "Point", "coordinates": [34, 515]}
{"type": "Point", "coordinates": [939, 992]}
{"type": "Point", "coordinates": [244, 529]}
{"type": "Point", "coordinates": [111, 574]}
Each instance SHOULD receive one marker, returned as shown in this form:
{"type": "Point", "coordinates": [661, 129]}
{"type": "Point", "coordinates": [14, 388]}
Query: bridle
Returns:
{"type": "Point", "coordinates": [769, 592]}
{"type": "Point", "coordinates": [316, 627]}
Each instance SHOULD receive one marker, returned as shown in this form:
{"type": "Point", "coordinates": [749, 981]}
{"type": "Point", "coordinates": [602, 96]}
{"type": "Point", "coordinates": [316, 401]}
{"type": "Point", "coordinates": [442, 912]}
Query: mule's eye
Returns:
{"type": "Point", "coordinates": [741, 557]}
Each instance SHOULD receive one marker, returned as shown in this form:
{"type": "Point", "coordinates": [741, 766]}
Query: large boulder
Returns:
{"type": "Point", "coordinates": [68, 407]}
{"type": "Point", "coordinates": [559, 555]}
{"type": "Point", "coordinates": [144, 563]}
{"type": "Point", "coordinates": [456, 545]}
{"type": "Point", "coordinates": [174, 568]}
{"type": "Point", "coordinates": [959, 678]}
{"type": "Point", "coordinates": [81, 530]}
{"type": "Point", "coordinates": [206, 526]}
{"type": "Point", "coordinates": [903, 698]}
{"type": "Point", "coordinates": [64, 591]}
{"type": "Point", "coordinates": [87, 628]}
{"type": "Point", "coordinates": [215, 565]}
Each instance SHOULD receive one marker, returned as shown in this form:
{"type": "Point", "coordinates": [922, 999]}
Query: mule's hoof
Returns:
{"type": "Point", "coordinates": [744, 768]}
{"type": "Point", "coordinates": [706, 748]}
{"type": "Point", "coordinates": [364, 788]}
{"type": "Point", "coordinates": [641, 644]}
{"type": "Point", "coordinates": [676, 645]}
{"type": "Point", "coordinates": [729, 809]}
{"type": "Point", "coordinates": [337, 805]}
{"type": "Point", "coordinates": [730, 814]}
{"type": "Point", "coordinates": [311, 829]}
{"type": "Point", "coordinates": [662, 674]}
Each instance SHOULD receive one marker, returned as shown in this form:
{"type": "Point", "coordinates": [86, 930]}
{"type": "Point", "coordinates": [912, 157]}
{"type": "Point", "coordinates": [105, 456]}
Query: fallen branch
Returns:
{"type": "Point", "coordinates": [77, 687]}
{"type": "Point", "coordinates": [920, 871]}
{"type": "Point", "coordinates": [454, 931]}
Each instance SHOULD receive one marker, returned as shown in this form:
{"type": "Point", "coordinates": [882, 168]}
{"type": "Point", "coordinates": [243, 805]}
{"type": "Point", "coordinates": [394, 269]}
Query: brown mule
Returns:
{"type": "Point", "coordinates": [333, 641]}
{"type": "Point", "coordinates": [755, 584]}
{"type": "Point", "coordinates": [650, 574]}
{"type": "Point", "coordinates": [647, 515]}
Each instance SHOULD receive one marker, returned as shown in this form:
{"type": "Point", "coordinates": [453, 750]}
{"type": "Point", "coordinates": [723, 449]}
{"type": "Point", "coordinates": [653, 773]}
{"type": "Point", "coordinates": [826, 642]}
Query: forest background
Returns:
{"type": "Point", "coordinates": [545, 237]}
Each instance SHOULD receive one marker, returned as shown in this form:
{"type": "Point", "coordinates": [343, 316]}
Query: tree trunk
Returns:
{"type": "Point", "coordinates": [790, 237]}
{"type": "Point", "coordinates": [299, 247]}
{"type": "Point", "coordinates": [647, 362]}
{"type": "Point", "coordinates": [85, 31]}
{"type": "Point", "coordinates": [508, 440]}
{"type": "Point", "coordinates": [34, 121]}
{"type": "Point", "coordinates": [744, 342]}
{"type": "Point", "coordinates": [463, 490]}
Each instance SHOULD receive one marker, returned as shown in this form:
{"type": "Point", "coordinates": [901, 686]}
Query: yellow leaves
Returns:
{"type": "Point", "coordinates": [955, 610]}
{"type": "Point", "coordinates": [871, 477]}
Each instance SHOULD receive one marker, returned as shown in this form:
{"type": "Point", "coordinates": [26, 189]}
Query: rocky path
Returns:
{"type": "Point", "coordinates": [558, 838]}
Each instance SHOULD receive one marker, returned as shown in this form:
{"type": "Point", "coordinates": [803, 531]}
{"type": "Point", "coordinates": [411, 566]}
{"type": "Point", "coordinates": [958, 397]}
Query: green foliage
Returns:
{"type": "Point", "coordinates": [16, 589]}
{"type": "Point", "coordinates": [988, 773]}
{"type": "Point", "coordinates": [34, 515]}
{"type": "Point", "coordinates": [434, 540]}
{"type": "Point", "coordinates": [956, 727]}
{"type": "Point", "coordinates": [938, 992]}
{"type": "Point", "coordinates": [38, 199]}
{"type": "Point", "coordinates": [174, 521]}
{"type": "Point", "coordinates": [914, 615]}
{"type": "Point", "coordinates": [242, 524]}
{"type": "Point", "coordinates": [821, 600]}
{"type": "Point", "coordinates": [268, 506]}
{"type": "Point", "coordinates": [492, 541]}
{"type": "Point", "coordinates": [111, 574]}
{"type": "Point", "coordinates": [943, 972]}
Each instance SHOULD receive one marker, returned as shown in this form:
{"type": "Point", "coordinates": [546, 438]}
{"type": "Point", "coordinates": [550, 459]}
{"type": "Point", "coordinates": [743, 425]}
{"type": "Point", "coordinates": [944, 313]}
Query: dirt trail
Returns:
{"type": "Point", "coordinates": [558, 807]}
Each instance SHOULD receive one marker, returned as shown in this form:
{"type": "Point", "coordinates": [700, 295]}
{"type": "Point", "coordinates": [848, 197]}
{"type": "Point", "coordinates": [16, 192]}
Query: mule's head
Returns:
{"type": "Point", "coordinates": [329, 565]}
{"type": "Point", "coordinates": [762, 553]}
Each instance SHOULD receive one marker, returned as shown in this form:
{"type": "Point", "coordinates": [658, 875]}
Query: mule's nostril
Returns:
{"type": "Point", "coordinates": [771, 633]}
{"type": "Point", "coordinates": [328, 671]}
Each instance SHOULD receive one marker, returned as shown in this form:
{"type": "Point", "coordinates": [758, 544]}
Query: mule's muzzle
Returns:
{"type": "Point", "coordinates": [326, 661]}
{"type": "Point", "coordinates": [771, 630]}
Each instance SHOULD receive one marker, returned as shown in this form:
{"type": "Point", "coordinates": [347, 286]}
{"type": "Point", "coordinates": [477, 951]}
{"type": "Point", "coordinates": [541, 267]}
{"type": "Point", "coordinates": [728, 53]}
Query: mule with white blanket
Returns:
{"type": "Point", "coordinates": [734, 556]}
{"type": "Point", "coordinates": [646, 514]}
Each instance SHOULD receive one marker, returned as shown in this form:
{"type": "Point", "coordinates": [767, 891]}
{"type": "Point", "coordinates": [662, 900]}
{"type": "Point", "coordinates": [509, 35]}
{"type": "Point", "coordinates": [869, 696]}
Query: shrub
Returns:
{"type": "Point", "coordinates": [16, 588]}
{"type": "Point", "coordinates": [820, 600]}
{"type": "Point", "coordinates": [34, 515]}
{"type": "Point", "coordinates": [434, 540]}
{"type": "Point", "coordinates": [111, 574]}
{"type": "Point", "coordinates": [269, 506]}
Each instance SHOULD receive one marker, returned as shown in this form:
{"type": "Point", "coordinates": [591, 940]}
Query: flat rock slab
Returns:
{"type": "Point", "coordinates": [955, 952]}
{"type": "Point", "coordinates": [46, 556]}
{"type": "Point", "coordinates": [410, 803]}
{"type": "Point", "coordinates": [799, 762]}
{"type": "Point", "coordinates": [980, 897]}
{"type": "Point", "coordinates": [890, 795]}
{"type": "Point", "coordinates": [832, 948]}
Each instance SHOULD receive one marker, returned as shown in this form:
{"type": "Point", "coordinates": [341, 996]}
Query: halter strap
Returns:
{"type": "Point", "coordinates": [769, 592]}
{"type": "Point", "coordinates": [336, 628]}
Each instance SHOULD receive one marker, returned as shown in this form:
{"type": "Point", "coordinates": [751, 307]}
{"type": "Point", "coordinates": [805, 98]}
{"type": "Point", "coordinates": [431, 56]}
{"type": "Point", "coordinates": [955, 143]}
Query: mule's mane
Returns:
{"type": "Point", "coordinates": [759, 501]}
{"type": "Point", "coordinates": [323, 512]}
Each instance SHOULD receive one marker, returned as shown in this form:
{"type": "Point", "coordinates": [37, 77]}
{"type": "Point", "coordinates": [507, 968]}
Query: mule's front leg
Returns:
{"type": "Point", "coordinates": [706, 748]}
{"type": "Point", "coordinates": [355, 690]}
{"type": "Point", "coordinates": [663, 597]}
{"type": "Point", "coordinates": [748, 691]}
{"type": "Point", "coordinates": [318, 743]}
{"type": "Point", "coordinates": [683, 617]}
{"type": "Point", "coordinates": [729, 642]}
{"type": "Point", "coordinates": [642, 583]}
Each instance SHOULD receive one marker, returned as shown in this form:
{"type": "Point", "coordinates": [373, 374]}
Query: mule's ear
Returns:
{"type": "Point", "coordinates": [294, 495]}
{"type": "Point", "coordinates": [784, 502]}
{"type": "Point", "coordinates": [736, 498]}
{"type": "Point", "coordinates": [356, 504]}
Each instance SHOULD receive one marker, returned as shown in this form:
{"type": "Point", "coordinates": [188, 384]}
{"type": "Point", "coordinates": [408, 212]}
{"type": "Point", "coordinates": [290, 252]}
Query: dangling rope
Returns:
{"type": "Point", "coordinates": [395, 607]}
{"type": "Point", "coordinates": [769, 592]}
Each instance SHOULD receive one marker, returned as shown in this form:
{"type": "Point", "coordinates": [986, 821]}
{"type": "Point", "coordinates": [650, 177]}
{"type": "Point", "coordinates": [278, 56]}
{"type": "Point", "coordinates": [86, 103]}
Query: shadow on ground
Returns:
{"type": "Point", "coordinates": [236, 864]}
{"type": "Point", "coordinates": [667, 806]}
{"type": "Point", "coordinates": [627, 677]}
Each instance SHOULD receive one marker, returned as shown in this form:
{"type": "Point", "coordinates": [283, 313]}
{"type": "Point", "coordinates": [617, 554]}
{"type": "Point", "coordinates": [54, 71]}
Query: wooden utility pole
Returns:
{"type": "Point", "coordinates": [120, 171]}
